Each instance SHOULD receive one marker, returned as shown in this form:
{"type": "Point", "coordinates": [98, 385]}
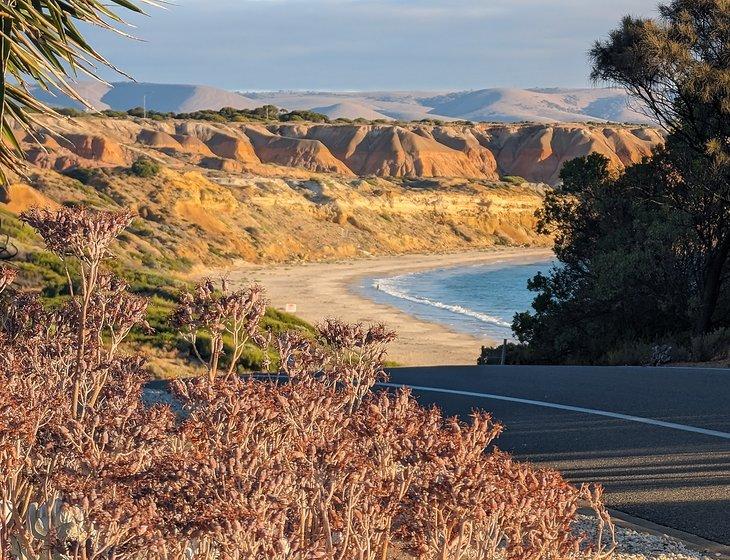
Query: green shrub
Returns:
{"type": "Point", "coordinates": [141, 228]}
{"type": "Point", "coordinates": [629, 354]}
{"type": "Point", "coordinates": [145, 167]}
{"type": "Point", "coordinates": [83, 175]}
{"type": "Point", "coordinates": [310, 116]}
{"type": "Point", "coordinates": [16, 230]}
{"type": "Point", "coordinates": [113, 114]}
{"type": "Point", "coordinates": [45, 271]}
{"type": "Point", "coordinates": [514, 180]}
{"type": "Point", "coordinates": [711, 346]}
{"type": "Point", "coordinates": [279, 322]}
{"type": "Point", "coordinates": [515, 354]}
{"type": "Point", "coordinates": [70, 112]}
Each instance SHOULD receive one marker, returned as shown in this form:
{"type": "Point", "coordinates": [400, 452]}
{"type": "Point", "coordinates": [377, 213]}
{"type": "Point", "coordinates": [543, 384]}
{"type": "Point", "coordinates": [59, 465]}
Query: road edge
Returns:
{"type": "Point", "coordinates": [693, 542]}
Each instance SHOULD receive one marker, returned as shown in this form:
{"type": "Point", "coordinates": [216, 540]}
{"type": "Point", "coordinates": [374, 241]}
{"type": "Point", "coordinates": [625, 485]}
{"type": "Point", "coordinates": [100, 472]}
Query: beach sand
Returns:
{"type": "Point", "coordinates": [321, 290]}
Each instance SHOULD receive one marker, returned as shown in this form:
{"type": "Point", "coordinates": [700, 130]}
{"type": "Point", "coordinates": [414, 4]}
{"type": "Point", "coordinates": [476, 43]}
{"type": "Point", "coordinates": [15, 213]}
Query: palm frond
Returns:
{"type": "Point", "coordinates": [41, 46]}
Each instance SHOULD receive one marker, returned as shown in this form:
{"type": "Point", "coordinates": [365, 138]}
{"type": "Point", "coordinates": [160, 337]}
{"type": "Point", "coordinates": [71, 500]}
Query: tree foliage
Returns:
{"type": "Point", "coordinates": [677, 67]}
{"type": "Point", "coordinates": [145, 167]}
{"type": "Point", "coordinates": [265, 113]}
{"type": "Point", "coordinates": [644, 254]}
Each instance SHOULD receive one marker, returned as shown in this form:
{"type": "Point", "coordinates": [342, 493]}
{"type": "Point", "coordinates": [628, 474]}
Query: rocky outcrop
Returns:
{"type": "Point", "coordinates": [463, 140]}
{"type": "Point", "coordinates": [192, 145]}
{"type": "Point", "coordinates": [231, 147]}
{"type": "Point", "coordinates": [73, 150]}
{"type": "Point", "coordinates": [222, 164]}
{"type": "Point", "coordinates": [538, 152]}
{"type": "Point", "coordinates": [295, 152]}
{"type": "Point", "coordinates": [392, 151]}
{"type": "Point", "coordinates": [95, 148]}
{"type": "Point", "coordinates": [159, 140]}
{"type": "Point", "coordinates": [484, 152]}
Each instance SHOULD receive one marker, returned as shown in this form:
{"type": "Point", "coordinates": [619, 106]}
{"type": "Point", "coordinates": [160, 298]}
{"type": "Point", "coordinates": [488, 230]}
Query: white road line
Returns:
{"type": "Point", "coordinates": [628, 417]}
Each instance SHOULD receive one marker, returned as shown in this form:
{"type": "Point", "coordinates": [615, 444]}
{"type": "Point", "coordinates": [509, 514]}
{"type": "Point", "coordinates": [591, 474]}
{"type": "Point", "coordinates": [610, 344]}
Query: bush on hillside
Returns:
{"type": "Point", "coordinates": [70, 112]}
{"type": "Point", "coordinates": [714, 345]}
{"type": "Point", "coordinates": [309, 116]}
{"type": "Point", "coordinates": [145, 167]}
{"type": "Point", "coordinates": [514, 180]}
{"type": "Point", "coordinates": [83, 175]}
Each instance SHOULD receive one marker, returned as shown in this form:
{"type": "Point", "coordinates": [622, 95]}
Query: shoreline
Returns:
{"type": "Point", "coordinates": [327, 289]}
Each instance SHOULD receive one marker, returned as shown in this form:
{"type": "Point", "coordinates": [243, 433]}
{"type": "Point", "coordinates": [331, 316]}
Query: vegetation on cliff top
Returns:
{"type": "Point", "coordinates": [265, 113]}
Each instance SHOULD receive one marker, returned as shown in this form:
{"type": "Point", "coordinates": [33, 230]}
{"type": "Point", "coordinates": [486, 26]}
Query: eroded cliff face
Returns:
{"type": "Point", "coordinates": [198, 217]}
{"type": "Point", "coordinates": [477, 152]}
{"type": "Point", "coordinates": [307, 191]}
{"type": "Point", "coordinates": [538, 152]}
{"type": "Point", "coordinates": [396, 151]}
{"type": "Point", "coordinates": [294, 152]}
{"type": "Point", "coordinates": [74, 149]}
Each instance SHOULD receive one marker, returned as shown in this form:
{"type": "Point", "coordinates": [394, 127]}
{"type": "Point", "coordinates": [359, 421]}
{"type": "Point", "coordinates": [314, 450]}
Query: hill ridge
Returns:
{"type": "Point", "coordinates": [501, 104]}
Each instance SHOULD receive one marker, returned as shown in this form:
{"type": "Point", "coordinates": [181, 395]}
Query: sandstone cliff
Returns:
{"type": "Point", "coordinates": [537, 152]}
{"type": "Point", "coordinates": [393, 151]}
{"type": "Point", "coordinates": [294, 152]}
{"type": "Point", "coordinates": [186, 218]}
{"type": "Point", "coordinates": [476, 152]}
{"type": "Point", "coordinates": [74, 150]}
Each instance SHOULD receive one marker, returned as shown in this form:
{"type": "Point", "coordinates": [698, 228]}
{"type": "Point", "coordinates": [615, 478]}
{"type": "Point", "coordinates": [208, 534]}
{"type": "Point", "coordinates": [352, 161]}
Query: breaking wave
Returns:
{"type": "Point", "coordinates": [388, 286]}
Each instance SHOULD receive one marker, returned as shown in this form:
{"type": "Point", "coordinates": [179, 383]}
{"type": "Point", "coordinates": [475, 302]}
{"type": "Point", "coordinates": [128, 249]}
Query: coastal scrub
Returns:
{"type": "Point", "coordinates": [308, 463]}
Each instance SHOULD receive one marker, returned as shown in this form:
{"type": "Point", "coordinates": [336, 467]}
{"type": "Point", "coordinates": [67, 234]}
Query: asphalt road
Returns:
{"type": "Point", "coordinates": [658, 439]}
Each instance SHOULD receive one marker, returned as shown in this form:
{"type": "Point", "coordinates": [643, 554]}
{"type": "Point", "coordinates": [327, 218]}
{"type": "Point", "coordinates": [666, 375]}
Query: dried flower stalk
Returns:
{"type": "Point", "coordinates": [319, 466]}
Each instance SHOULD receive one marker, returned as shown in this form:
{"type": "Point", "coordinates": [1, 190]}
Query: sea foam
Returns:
{"type": "Point", "coordinates": [389, 286]}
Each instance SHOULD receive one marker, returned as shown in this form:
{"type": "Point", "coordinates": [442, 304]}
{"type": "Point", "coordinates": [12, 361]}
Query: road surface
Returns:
{"type": "Point", "coordinates": [658, 439]}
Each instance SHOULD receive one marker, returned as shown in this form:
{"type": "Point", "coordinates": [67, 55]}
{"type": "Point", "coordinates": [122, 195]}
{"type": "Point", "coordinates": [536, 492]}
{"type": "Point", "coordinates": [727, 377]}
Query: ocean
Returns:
{"type": "Point", "coordinates": [480, 300]}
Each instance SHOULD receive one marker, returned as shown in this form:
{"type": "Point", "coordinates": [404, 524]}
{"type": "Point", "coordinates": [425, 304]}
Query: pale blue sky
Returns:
{"type": "Point", "coordinates": [369, 44]}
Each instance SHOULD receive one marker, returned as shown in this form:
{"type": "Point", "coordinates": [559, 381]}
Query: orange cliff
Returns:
{"type": "Point", "coordinates": [486, 152]}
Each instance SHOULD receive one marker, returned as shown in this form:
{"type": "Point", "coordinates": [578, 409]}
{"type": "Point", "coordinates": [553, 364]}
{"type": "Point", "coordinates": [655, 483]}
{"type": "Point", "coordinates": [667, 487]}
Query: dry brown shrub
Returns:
{"type": "Point", "coordinates": [314, 464]}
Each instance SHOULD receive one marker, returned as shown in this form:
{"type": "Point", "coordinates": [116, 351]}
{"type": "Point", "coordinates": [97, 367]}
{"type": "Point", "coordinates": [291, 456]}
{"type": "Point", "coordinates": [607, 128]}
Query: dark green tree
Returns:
{"type": "Point", "coordinates": [678, 68]}
{"type": "Point", "coordinates": [644, 254]}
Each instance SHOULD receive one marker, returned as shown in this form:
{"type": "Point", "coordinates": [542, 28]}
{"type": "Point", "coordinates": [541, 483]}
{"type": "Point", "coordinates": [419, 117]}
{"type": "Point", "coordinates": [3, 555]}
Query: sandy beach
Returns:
{"type": "Point", "coordinates": [321, 290]}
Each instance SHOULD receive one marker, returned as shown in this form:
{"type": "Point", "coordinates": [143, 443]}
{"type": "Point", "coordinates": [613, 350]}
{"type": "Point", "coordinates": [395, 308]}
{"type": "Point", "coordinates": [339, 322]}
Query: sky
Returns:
{"type": "Point", "coordinates": [346, 45]}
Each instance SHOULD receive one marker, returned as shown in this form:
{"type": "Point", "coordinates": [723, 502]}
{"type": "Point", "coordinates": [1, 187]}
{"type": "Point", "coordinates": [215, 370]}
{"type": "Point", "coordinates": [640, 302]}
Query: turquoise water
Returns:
{"type": "Point", "coordinates": [480, 300]}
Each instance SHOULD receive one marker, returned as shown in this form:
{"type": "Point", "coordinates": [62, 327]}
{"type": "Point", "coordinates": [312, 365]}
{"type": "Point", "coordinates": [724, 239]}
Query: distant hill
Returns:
{"type": "Point", "coordinates": [177, 98]}
{"type": "Point", "coordinates": [494, 105]}
{"type": "Point", "coordinates": [537, 105]}
{"type": "Point", "coordinates": [350, 110]}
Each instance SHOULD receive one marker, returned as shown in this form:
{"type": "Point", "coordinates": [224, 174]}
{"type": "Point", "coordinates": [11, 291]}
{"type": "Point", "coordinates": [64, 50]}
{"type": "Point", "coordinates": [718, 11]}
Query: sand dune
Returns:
{"type": "Point", "coordinates": [538, 105]}
{"type": "Point", "coordinates": [492, 105]}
